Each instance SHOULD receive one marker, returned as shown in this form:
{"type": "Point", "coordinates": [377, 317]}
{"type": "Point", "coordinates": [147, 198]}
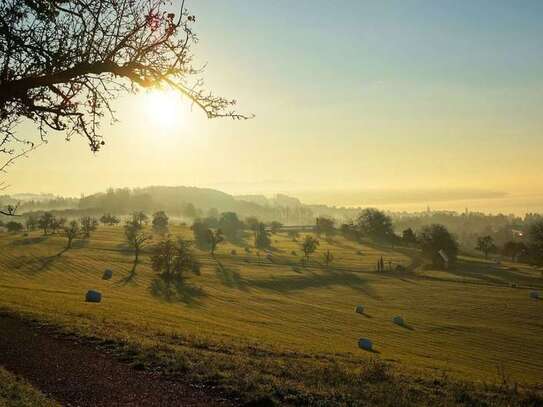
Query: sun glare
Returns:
{"type": "Point", "coordinates": [164, 109]}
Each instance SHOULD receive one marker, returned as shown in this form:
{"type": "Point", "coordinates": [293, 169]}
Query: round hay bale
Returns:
{"type": "Point", "coordinates": [535, 295]}
{"type": "Point", "coordinates": [398, 320]}
{"type": "Point", "coordinates": [108, 273]}
{"type": "Point", "coordinates": [359, 309]}
{"type": "Point", "coordinates": [93, 296]}
{"type": "Point", "coordinates": [364, 343]}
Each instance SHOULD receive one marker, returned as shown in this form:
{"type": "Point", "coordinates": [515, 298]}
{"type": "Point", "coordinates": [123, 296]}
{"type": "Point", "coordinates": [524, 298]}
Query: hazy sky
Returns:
{"type": "Point", "coordinates": [347, 95]}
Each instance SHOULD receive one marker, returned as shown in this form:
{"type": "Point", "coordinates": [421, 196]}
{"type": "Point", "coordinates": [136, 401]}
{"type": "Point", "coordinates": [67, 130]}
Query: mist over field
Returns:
{"type": "Point", "coordinates": [271, 203]}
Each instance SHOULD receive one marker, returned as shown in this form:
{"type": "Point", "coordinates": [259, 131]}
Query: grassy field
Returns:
{"type": "Point", "coordinates": [268, 325]}
{"type": "Point", "coordinates": [15, 392]}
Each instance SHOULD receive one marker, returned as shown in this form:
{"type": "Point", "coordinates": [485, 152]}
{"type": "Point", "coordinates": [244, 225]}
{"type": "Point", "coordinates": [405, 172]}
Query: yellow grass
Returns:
{"type": "Point", "coordinates": [465, 323]}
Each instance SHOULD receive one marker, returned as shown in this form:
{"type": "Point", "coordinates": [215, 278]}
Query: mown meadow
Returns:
{"type": "Point", "coordinates": [262, 323]}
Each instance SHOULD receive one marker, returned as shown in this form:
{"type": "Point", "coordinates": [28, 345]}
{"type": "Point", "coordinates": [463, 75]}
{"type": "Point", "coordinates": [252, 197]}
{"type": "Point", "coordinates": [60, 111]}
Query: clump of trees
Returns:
{"type": "Point", "coordinates": [324, 225]}
{"type": "Point", "coordinates": [109, 219]}
{"type": "Point", "coordinates": [275, 226]}
{"type": "Point", "coordinates": [262, 237]}
{"type": "Point", "coordinates": [231, 226]}
{"type": "Point", "coordinates": [88, 225]}
{"type": "Point", "coordinates": [160, 222]}
{"type": "Point", "coordinates": [486, 245]}
{"type": "Point", "coordinates": [435, 239]}
{"type": "Point", "coordinates": [173, 259]}
{"type": "Point", "coordinates": [14, 227]}
{"type": "Point", "coordinates": [376, 225]}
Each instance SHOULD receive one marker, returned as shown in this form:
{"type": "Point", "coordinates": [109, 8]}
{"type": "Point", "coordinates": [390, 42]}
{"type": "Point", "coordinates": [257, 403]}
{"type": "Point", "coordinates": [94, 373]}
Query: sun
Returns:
{"type": "Point", "coordinates": [164, 109]}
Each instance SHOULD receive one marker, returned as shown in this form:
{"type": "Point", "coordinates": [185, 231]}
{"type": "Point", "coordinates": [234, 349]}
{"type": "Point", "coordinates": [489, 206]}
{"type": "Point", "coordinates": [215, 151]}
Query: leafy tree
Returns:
{"type": "Point", "coordinates": [275, 226]}
{"type": "Point", "coordinates": [434, 238]}
{"type": "Point", "coordinates": [189, 211]}
{"type": "Point", "coordinates": [57, 224]}
{"type": "Point", "coordinates": [485, 244]}
{"type": "Point", "coordinates": [350, 231]}
{"type": "Point", "coordinates": [46, 221]}
{"type": "Point", "coordinates": [109, 219]}
{"type": "Point", "coordinates": [262, 237]}
{"type": "Point", "coordinates": [31, 223]}
{"type": "Point", "coordinates": [200, 230]}
{"type": "Point", "coordinates": [214, 238]}
{"type": "Point", "coordinates": [135, 238]}
{"type": "Point", "coordinates": [172, 259]}
{"type": "Point", "coordinates": [309, 246]}
{"type": "Point", "coordinates": [328, 257]}
{"type": "Point", "coordinates": [230, 225]}
{"type": "Point", "coordinates": [14, 227]}
{"type": "Point", "coordinates": [139, 218]}
{"type": "Point", "coordinates": [63, 62]}
{"type": "Point", "coordinates": [514, 249]}
{"type": "Point", "coordinates": [375, 224]}
{"type": "Point", "coordinates": [324, 225]}
{"type": "Point", "coordinates": [88, 225]}
{"type": "Point", "coordinates": [408, 237]}
{"type": "Point", "coordinates": [160, 222]}
{"type": "Point", "coordinates": [71, 232]}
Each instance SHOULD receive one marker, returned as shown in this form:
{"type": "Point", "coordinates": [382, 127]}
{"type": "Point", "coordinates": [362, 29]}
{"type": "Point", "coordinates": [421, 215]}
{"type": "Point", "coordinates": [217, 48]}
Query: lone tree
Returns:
{"type": "Point", "coordinates": [160, 222]}
{"type": "Point", "coordinates": [88, 225]}
{"type": "Point", "coordinates": [309, 246]}
{"type": "Point", "coordinates": [214, 238]}
{"type": "Point", "coordinates": [485, 244]}
{"type": "Point", "coordinates": [173, 259]}
{"type": "Point", "coordinates": [328, 258]}
{"type": "Point", "coordinates": [62, 62]}
{"type": "Point", "coordinates": [71, 232]}
{"type": "Point", "coordinates": [136, 240]}
{"type": "Point", "coordinates": [46, 221]}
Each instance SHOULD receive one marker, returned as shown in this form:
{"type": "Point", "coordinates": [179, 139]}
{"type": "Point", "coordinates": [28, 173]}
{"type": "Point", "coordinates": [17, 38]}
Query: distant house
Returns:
{"type": "Point", "coordinates": [445, 258]}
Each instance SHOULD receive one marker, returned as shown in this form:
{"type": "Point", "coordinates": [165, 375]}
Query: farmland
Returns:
{"type": "Point", "coordinates": [257, 322]}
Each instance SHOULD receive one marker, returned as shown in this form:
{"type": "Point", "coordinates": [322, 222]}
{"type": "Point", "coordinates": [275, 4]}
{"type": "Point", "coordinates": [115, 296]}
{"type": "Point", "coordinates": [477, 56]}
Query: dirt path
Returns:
{"type": "Point", "coordinates": [77, 374]}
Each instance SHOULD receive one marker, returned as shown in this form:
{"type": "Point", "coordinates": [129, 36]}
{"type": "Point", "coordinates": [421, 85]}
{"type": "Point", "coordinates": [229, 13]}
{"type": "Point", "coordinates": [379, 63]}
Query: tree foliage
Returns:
{"type": "Point", "coordinates": [435, 238]}
{"type": "Point", "coordinates": [375, 224]}
{"type": "Point", "coordinates": [160, 222]}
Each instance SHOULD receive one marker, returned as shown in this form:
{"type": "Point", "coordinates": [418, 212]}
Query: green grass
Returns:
{"type": "Point", "coordinates": [15, 392]}
{"type": "Point", "coordinates": [257, 326]}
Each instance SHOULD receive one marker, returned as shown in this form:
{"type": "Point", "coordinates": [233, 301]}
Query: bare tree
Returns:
{"type": "Point", "coordinates": [71, 232]}
{"type": "Point", "coordinates": [62, 62]}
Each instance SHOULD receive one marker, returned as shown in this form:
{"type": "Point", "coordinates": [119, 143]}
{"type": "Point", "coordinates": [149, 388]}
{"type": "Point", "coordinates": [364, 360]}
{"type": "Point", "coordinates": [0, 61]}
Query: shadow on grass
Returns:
{"type": "Point", "coordinates": [229, 277]}
{"type": "Point", "coordinates": [131, 277]}
{"type": "Point", "coordinates": [29, 240]}
{"type": "Point", "coordinates": [177, 291]}
{"type": "Point", "coordinates": [314, 280]}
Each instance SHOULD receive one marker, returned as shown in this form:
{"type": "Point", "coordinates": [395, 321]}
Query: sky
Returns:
{"type": "Point", "coordinates": [348, 95]}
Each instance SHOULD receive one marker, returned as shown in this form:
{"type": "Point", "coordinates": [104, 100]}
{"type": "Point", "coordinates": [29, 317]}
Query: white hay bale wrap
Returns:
{"type": "Point", "coordinates": [359, 309]}
{"type": "Point", "coordinates": [93, 296]}
{"type": "Point", "coordinates": [536, 295]}
{"type": "Point", "coordinates": [398, 320]}
{"type": "Point", "coordinates": [364, 343]}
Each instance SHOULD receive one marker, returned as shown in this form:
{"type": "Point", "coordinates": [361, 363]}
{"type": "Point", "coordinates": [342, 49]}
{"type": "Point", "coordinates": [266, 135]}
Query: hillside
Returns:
{"type": "Point", "coordinates": [258, 325]}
